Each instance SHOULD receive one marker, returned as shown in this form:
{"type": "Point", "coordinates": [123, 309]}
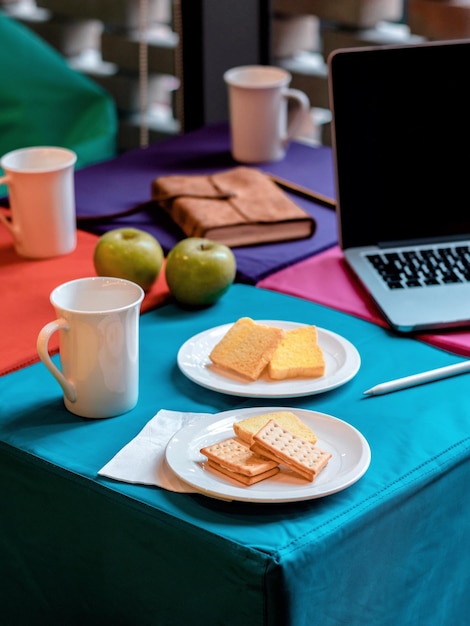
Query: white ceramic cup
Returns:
{"type": "Point", "coordinates": [42, 200]}
{"type": "Point", "coordinates": [264, 112]}
{"type": "Point", "coordinates": [98, 325]}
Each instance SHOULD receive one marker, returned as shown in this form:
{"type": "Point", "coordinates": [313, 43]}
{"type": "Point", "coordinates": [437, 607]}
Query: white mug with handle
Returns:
{"type": "Point", "coordinates": [264, 112]}
{"type": "Point", "coordinates": [98, 325]}
{"type": "Point", "coordinates": [41, 192]}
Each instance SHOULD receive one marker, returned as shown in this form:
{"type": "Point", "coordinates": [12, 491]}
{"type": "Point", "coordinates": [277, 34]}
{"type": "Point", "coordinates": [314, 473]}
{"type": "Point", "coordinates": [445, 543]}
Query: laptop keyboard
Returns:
{"type": "Point", "coordinates": [432, 266]}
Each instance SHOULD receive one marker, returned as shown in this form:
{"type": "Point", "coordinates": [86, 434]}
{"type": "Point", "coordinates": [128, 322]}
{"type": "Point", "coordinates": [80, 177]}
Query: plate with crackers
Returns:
{"type": "Point", "coordinates": [268, 359]}
{"type": "Point", "coordinates": [269, 455]}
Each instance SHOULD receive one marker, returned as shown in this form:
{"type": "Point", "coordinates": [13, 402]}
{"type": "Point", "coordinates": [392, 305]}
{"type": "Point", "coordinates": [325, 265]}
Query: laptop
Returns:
{"type": "Point", "coordinates": [401, 143]}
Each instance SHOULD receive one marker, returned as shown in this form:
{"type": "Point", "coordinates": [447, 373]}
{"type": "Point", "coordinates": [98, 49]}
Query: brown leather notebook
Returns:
{"type": "Point", "coordinates": [239, 207]}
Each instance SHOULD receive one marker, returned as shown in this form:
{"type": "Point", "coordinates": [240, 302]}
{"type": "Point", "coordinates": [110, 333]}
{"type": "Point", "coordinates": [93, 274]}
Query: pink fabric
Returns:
{"type": "Point", "coordinates": [324, 278]}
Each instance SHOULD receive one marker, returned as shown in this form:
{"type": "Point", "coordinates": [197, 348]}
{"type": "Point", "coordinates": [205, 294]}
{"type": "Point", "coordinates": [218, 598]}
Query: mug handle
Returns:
{"type": "Point", "coordinates": [298, 106]}
{"type": "Point", "coordinates": [6, 221]}
{"type": "Point", "coordinates": [43, 351]}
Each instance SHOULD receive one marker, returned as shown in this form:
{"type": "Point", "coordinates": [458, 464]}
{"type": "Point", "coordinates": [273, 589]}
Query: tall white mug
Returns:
{"type": "Point", "coordinates": [42, 200]}
{"type": "Point", "coordinates": [98, 325]}
{"type": "Point", "coordinates": [264, 112]}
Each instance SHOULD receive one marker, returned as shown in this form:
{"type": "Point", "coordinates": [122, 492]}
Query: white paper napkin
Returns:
{"type": "Point", "coordinates": [142, 460]}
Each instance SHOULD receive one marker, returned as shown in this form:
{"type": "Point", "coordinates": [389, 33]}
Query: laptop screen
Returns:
{"type": "Point", "coordinates": [401, 137]}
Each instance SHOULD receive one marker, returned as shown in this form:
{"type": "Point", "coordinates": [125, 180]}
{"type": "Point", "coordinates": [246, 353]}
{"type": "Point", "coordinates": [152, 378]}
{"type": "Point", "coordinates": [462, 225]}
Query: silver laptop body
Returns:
{"type": "Point", "coordinates": [401, 143]}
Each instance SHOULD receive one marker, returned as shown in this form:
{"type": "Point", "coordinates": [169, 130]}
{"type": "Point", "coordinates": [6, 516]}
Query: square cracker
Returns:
{"type": "Point", "coordinates": [301, 456]}
{"type": "Point", "coordinates": [246, 480]}
{"type": "Point", "coordinates": [235, 456]}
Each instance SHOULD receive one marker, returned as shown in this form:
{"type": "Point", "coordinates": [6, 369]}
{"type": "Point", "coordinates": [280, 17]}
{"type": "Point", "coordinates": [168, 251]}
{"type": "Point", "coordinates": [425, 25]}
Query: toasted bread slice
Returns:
{"type": "Point", "coordinates": [245, 429]}
{"type": "Point", "coordinates": [298, 355]}
{"type": "Point", "coordinates": [247, 347]}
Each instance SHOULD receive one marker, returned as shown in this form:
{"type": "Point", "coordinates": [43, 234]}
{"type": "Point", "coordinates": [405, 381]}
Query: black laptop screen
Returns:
{"type": "Point", "coordinates": [401, 138]}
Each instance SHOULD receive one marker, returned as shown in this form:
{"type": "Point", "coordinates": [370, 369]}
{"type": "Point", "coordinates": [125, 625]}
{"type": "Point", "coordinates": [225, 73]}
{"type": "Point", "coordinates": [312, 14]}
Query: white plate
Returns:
{"type": "Point", "coordinates": [350, 458]}
{"type": "Point", "coordinates": [342, 362]}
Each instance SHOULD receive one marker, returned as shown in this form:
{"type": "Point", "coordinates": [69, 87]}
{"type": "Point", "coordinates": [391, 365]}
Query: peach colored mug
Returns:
{"type": "Point", "coordinates": [265, 113]}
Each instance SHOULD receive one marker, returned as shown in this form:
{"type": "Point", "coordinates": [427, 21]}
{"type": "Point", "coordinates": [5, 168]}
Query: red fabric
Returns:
{"type": "Point", "coordinates": [25, 287]}
{"type": "Point", "coordinates": [325, 278]}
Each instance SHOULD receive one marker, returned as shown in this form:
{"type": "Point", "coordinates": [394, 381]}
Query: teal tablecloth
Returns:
{"type": "Point", "coordinates": [391, 549]}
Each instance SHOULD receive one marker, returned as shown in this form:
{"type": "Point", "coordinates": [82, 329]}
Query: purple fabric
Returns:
{"type": "Point", "coordinates": [125, 182]}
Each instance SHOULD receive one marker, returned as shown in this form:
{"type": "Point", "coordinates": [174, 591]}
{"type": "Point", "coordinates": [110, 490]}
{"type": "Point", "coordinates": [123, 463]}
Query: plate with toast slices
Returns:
{"type": "Point", "coordinates": [325, 359]}
{"type": "Point", "coordinates": [214, 455]}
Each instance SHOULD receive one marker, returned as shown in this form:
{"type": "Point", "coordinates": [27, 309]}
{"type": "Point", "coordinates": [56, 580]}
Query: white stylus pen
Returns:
{"type": "Point", "coordinates": [419, 379]}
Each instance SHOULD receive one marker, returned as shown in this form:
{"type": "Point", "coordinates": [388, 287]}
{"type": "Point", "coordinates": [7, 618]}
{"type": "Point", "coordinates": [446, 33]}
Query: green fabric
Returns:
{"type": "Point", "coordinates": [45, 102]}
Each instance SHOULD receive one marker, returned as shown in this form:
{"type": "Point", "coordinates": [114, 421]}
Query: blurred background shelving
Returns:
{"type": "Point", "coordinates": [162, 61]}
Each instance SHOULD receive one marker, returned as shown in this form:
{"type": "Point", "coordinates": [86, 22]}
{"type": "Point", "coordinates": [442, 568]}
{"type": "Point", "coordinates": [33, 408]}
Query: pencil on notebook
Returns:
{"type": "Point", "coordinates": [303, 191]}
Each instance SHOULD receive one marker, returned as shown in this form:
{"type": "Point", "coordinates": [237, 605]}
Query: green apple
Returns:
{"type": "Point", "coordinates": [129, 253]}
{"type": "Point", "coordinates": [199, 271]}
